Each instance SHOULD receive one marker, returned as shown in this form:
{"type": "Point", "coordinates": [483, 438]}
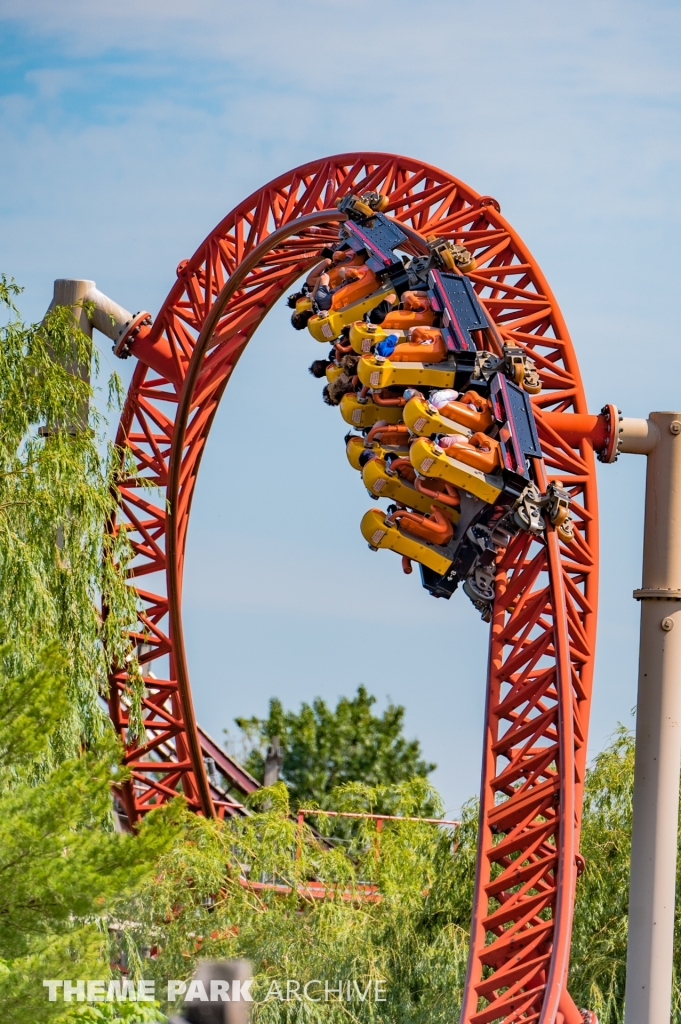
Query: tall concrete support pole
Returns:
{"type": "Point", "coordinates": [71, 293]}
{"type": "Point", "coordinates": [658, 725]}
{"type": "Point", "coordinates": [105, 314]}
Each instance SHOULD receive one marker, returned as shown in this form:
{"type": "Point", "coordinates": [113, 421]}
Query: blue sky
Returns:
{"type": "Point", "coordinates": [127, 130]}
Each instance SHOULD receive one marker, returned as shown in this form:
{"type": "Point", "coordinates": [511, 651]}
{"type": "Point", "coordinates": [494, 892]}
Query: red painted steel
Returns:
{"type": "Point", "coordinates": [543, 626]}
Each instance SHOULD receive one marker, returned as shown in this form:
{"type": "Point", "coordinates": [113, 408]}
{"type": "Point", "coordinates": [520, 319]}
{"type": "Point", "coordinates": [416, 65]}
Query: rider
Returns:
{"type": "Point", "coordinates": [331, 274]}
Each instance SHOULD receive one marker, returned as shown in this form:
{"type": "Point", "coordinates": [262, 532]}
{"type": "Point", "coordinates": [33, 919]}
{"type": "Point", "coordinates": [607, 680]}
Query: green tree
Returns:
{"type": "Point", "coordinates": [210, 898]}
{"type": "Point", "coordinates": [415, 937]}
{"type": "Point", "coordinates": [61, 862]}
{"type": "Point", "coordinates": [326, 748]}
{"type": "Point", "coordinates": [62, 865]}
{"type": "Point", "coordinates": [57, 491]}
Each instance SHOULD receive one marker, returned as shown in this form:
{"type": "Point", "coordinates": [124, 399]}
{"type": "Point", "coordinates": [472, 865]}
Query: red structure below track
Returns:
{"type": "Point", "coordinates": [543, 628]}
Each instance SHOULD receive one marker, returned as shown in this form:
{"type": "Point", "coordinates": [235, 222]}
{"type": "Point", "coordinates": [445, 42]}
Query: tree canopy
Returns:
{"type": "Point", "coordinates": [210, 898]}
{"type": "Point", "coordinates": [61, 861]}
{"type": "Point", "coordinates": [58, 566]}
{"type": "Point", "coordinates": [62, 864]}
{"type": "Point", "coordinates": [415, 937]}
{"type": "Point", "coordinates": [326, 748]}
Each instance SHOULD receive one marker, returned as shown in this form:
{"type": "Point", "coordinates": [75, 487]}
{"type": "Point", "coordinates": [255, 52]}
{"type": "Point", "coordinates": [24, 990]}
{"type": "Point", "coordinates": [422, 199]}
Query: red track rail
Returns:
{"type": "Point", "coordinates": [543, 628]}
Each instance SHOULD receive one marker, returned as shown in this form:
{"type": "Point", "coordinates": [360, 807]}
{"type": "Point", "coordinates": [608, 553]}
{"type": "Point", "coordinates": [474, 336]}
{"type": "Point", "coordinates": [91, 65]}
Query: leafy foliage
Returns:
{"type": "Point", "coordinates": [61, 862]}
{"type": "Point", "coordinates": [414, 938]}
{"type": "Point", "coordinates": [57, 491]}
{"type": "Point", "coordinates": [325, 749]}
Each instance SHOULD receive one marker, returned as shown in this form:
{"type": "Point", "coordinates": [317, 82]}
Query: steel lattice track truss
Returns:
{"type": "Point", "coordinates": [543, 626]}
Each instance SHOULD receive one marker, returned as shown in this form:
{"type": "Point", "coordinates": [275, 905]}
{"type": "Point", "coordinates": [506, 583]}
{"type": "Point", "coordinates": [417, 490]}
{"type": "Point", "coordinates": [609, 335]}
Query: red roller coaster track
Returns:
{"type": "Point", "coordinates": [543, 627]}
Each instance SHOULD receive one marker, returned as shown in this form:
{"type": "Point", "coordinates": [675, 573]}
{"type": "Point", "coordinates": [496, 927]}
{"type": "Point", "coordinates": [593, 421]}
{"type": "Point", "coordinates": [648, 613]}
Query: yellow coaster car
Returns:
{"type": "Point", "coordinates": [375, 372]}
{"type": "Point", "coordinates": [406, 319]}
{"type": "Point", "coordinates": [366, 414]}
{"type": "Point", "coordinates": [356, 446]}
{"type": "Point", "coordinates": [422, 418]}
{"type": "Point", "coordinates": [469, 409]}
{"type": "Point", "coordinates": [381, 484]}
{"type": "Point", "coordinates": [364, 337]}
{"type": "Point", "coordinates": [425, 345]}
{"type": "Point", "coordinates": [416, 311]}
{"type": "Point", "coordinates": [328, 326]}
{"type": "Point", "coordinates": [429, 459]}
{"type": "Point", "coordinates": [333, 371]}
{"type": "Point", "coordinates": [380, 534]}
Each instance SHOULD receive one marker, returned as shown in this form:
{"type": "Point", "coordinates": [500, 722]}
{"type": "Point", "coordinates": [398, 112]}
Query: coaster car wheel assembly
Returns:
{"type": "Point", "coordinates": [526, 555]}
